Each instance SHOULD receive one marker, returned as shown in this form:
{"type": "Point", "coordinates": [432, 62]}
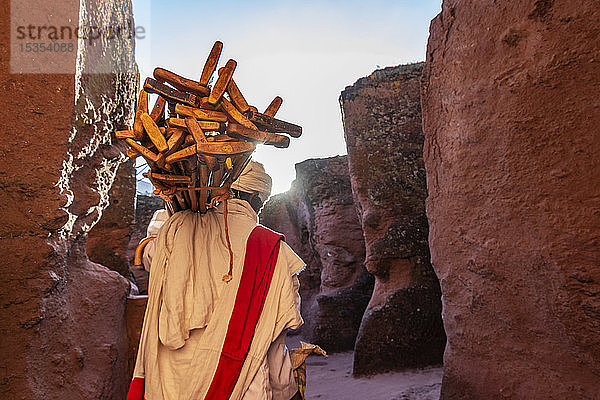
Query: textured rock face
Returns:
{"type": "Point", "coordinates": [62, 317]}
{"type": "Point", "coordinates": [402, 325]}
{"type": "Point", "coordinates": [319, 220]}
{"type": "Point", "coordinates": [511, 117]}
{"type": "Point", "coordinates": [108, 241]}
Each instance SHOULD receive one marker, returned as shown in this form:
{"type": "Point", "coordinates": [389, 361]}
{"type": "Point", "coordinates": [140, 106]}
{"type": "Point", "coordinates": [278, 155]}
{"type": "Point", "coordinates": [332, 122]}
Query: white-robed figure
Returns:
{"type": "Point", "coordinates": [204, 337]}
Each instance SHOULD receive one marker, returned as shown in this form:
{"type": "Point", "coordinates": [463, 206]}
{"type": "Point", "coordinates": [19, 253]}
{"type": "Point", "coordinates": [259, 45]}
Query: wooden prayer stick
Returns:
{"type": "Point", "coordinates": [161, 162]}
{"type": "Point", "coordinates": [171, 108]}
{"type": "Point", "coordinates": [172, 179]}
{"type": "Point", "coordinates": [125, 134]}
{"type": "Point", "coordinates": [161, 188]}
{"type": "Point", "coordinates": [238, 166]}
{"type": "Point", "coordinates": [189, 167]}
{"type": "Point", "coordinates": [186, 152]}
{"type": "Point", "coordinates": [203, 182]}
{"type": "Point", "coordinates": [189, 140]}
{"type": "Point", "coordinates": [205, 104]}
{"type": "Point", "coordinates": [211, 63]}
{"type": "Point", "coordinates": [273, 107]}
{"type": "Point", "coordinates": [237, 98]}
{"type": "Point", "coordinates": [142, 150]}
{"type": "Point", "coordinates": [204, 125]}
{"type": "Point", "coordinates": [181, 83]}
{"type": "Point", "coordinates": [158, 111]}
{"type": "Point", "coordinates": [221, 84]}
{"type": "Point", "coordinates": [188, 200]}
{"type": "Point", "coordinates": [217, 176]}
{"type": "Point", "coordinates": [270, 124]}
{"type": "Point", "coordinates": [210, 161]}
{"type": "Point", "coordinates": [182, 200]}
{"type": "Point", "coordinates": [154, 86]}
{"type": "Point", "coordinates": [220, 138]}
{"type": "Point", "coordinates": [224, 148]}
{"type": "Point", "coordinates": [132, 154]}
{"type": "Point", "coordinates": [147, 143]}
{"type": "Point", "coordinates": [139, 250]}
{"type": "Point", "coordinates": [236, 115]}
{"type": "Point", "coordinates": [193, 195]}
{"type": "Point", "coordinates": [178, 206]}
{"type": "Point", "coordinates": [195, 130]}
{"type": "Point", "coordinates": [138, 126]}
{"type": "Point", "coordinates": [176, 140]}
{"type": "Point", "coordinates": [241, 132]}
{"type": "Point", "coordinates": [142, 101]}
{"type": "Point", "coordinates": [206, 115]}
{"type": "Point", "coordinates": [154, 133]}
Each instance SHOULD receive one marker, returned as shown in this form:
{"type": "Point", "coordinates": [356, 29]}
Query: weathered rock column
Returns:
{"type": "Point", "coordinates": [108, 241]}
{"type": "Point", "coordinates": [62, 317]}
{"type": "Point", "coordinates": [319, 220]}
{"type": "Point", "coordinates": [511, 113]}
{"type": "Point", "coordinates": [402, 326]}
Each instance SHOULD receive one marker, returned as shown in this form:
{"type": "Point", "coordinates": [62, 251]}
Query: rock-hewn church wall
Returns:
{"type": "Point", "coordinates": [62, 316]}
{"type": "Point", "coordinates": [511, 113]}
{"type": "Point", "coordinates": [402, 326]}
{"type": "Point", "coordinates": [319, 220]}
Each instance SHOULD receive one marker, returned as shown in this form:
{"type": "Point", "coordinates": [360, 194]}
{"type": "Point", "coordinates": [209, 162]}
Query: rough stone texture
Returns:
{"type": "Point", "coordinates": [402, 326]}
{"type": "Point", "coordinates": [108, 240]}
{"type": "Point", "coordinates": [511, 115]}
{"type": "Point", "coordinates": [319, 220]}
{"type": "Point", "coordinates": [62, 317]}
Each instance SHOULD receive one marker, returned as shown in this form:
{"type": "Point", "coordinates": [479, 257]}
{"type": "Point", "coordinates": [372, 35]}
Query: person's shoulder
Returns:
{"type": "Point", "coordinates": [294, 262]}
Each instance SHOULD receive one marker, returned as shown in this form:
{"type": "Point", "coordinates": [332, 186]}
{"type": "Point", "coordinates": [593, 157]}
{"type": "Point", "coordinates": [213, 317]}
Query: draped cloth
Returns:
{"type": "Point", "coordinates": [261, 256]}
{"type": "Point", "coordinates": [254, 179]}
{"type": "Point", "coordinates": [191, 310]}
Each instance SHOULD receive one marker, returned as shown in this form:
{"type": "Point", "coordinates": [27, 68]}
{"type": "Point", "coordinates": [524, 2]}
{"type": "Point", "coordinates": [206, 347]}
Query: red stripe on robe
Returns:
{"type": "Point", "coordinates": [136, 389]}
{"type": "Point", "coordinates": [262, 251]}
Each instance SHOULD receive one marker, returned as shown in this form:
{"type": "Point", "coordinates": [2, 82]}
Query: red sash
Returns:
{"type": "Point", "coordinates": [262, 250]}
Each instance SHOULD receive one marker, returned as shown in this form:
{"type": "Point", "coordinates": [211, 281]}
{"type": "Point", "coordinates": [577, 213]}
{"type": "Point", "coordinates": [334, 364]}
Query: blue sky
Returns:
{"type": "Point", "coordinates": [306, 52]}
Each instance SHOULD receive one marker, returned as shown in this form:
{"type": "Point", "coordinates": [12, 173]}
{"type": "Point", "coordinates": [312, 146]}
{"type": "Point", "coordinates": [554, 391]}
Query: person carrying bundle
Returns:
{"type": "Point", "coordinates": [203, 337]}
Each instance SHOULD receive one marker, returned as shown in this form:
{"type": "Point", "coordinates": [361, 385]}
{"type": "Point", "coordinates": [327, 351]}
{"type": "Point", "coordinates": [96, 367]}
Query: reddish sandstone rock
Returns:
{"type": "Point", "coordinates": [402, 325]}
{"type": "Point", "coordinates": [319, 220]}
{"type": "Point", "coordinates": [62, 316]}
{"type": "Point", "coordinates": [511, 115]}
{"type": "Point", "coordinates": [108, 241]}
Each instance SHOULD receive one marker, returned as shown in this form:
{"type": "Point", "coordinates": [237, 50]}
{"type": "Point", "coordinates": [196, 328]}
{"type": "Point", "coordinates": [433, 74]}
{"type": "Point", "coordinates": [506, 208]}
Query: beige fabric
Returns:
{"type": "Point", "coordinates": [158, 219]}
{"type": "Point", "coordinates": [254, 179]}
{"type": "Point", "coordinates": [189, 305]}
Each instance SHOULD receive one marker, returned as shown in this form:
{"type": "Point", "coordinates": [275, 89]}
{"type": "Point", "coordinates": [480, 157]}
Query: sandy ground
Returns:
{"type": "Point", "coordinates": [331, 378]}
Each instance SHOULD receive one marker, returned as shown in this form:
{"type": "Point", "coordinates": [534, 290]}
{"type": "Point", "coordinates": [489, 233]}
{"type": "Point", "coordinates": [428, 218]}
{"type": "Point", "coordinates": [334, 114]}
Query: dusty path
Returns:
{"type": "Point", "coordinates": [331, 378]}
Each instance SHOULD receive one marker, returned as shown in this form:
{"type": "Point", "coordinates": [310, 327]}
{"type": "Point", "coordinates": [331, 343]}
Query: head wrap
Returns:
{"type": "Point", "coordinates": [254, 179]}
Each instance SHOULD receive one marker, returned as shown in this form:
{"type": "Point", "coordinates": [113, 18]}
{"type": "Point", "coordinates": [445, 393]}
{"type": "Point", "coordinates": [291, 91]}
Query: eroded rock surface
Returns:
{"type": "Point", "coordinates": [319, 220]}
{"type": "Point", "coordinates": [108, 240]}
{"type": "Point", "coordinates": [511, 115]}
{"type": "Point", "coordinates": [402, 326]}
{"type": "Point", "coordinates": [62, 316]}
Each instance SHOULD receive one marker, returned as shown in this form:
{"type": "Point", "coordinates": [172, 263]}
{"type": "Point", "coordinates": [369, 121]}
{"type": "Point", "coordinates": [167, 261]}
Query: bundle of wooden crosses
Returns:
{"type": "Point", "coordinates": [197, 139]}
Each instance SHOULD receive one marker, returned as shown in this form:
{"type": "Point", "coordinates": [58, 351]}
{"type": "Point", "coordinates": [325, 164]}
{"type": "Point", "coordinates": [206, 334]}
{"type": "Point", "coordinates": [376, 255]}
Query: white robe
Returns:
{"type": "Point", "coordinates": [189, 308]}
